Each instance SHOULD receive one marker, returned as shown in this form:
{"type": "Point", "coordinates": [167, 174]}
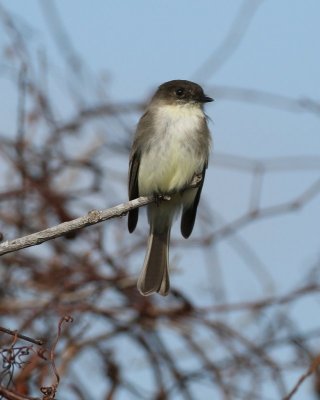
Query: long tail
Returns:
{"type": "Point", "coordinates": [154, 276]}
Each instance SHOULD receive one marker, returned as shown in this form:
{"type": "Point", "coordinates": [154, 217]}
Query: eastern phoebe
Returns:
{"type": "Point", "coordinates": [170, 147]}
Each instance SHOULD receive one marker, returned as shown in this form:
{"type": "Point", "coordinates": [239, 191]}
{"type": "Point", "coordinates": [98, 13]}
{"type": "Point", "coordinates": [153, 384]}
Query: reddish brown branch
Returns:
{"type": "Point", "coordinates": [39, 342]}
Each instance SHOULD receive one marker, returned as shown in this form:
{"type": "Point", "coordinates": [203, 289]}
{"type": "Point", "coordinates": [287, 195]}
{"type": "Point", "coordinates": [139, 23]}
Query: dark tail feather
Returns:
{"type": "Point", "coordinates": [154, 276]}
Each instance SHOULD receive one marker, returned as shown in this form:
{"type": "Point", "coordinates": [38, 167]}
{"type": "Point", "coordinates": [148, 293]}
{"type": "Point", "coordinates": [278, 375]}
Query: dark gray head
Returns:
{"type": "Point", "coordinates": [181, 92]}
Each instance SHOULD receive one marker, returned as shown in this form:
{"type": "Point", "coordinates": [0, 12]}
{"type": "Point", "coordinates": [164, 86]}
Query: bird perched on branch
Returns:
{"type": "Point", "coordinates": [171, 146]}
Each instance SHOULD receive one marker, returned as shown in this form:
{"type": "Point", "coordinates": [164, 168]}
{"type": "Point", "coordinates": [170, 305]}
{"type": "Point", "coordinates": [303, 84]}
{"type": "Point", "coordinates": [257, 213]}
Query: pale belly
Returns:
{"type": "Point", "coordinates": [169, 166]}
{"type": "Point", "coordinates": [174, 154]}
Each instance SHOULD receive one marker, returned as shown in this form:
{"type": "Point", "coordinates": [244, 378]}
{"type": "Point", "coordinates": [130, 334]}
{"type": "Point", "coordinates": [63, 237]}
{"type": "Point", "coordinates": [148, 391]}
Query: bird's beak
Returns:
{"type": "Point", "coordinates": [206, 99]}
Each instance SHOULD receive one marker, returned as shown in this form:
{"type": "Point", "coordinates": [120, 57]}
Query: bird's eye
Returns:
{"type": "Point", "coordinates": [179, 92]}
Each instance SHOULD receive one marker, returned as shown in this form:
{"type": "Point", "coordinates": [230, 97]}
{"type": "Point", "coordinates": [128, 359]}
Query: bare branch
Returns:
{"type": "Point", "coordinates": [93, 217]}
{"type": "Point", "coordinates": [10, 395]}
{"type": "Point", "coordinates": [267, 99]}
{"type": "Point", "coordinates": [39, 342]}
{"type": "Point", "coordinates": [313, 367]}
{"type": "Point", "coordinates": [228, 46]}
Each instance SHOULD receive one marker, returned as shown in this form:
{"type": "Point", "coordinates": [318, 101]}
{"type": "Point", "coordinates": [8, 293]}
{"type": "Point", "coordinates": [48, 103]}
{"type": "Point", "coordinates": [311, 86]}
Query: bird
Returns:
{"type": "Point", "coordinates": [170, 148]}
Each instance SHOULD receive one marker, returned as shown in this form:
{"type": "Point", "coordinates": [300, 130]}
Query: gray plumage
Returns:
{"type": "Point", "coordinates": [171, 145]}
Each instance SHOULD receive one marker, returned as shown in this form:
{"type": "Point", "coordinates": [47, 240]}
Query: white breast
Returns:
{"type": "Point", "coordinates": [173, 158]}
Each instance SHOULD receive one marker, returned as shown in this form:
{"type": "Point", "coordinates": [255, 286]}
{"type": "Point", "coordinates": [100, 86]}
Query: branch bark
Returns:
{"type": "Point", "coordinates": [93, 217]}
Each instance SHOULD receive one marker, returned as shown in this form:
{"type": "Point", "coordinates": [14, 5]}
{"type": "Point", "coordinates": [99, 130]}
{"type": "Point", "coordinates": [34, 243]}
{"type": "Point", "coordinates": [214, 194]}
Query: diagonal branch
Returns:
{"type": "Point", "coordinates": [93, 217]}
{"type": "Point", "coordinates": [13, 395]}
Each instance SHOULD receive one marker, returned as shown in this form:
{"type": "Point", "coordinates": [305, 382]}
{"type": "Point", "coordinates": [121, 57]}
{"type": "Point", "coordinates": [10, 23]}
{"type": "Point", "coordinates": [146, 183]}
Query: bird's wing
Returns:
{"type": "Point", "coordinates": [133, 190]}
{"type": "Point", "coordinates": [189, 214]}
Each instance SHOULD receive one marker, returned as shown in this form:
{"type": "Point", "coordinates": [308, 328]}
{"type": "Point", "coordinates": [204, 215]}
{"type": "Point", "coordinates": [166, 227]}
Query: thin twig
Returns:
{"type": "Point", "coordinates": [39, 342]}
{"type": "Point", "coordinates": [314, 365]}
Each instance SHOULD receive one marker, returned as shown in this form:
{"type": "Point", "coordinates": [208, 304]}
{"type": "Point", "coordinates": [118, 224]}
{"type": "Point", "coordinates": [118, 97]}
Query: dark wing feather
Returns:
{"type": "Point", "coordinates": [141, 137]}
{"type": "Point", "coordinates": [189, 214]}
{"type": "Point", "coordinates": [133, 190]}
